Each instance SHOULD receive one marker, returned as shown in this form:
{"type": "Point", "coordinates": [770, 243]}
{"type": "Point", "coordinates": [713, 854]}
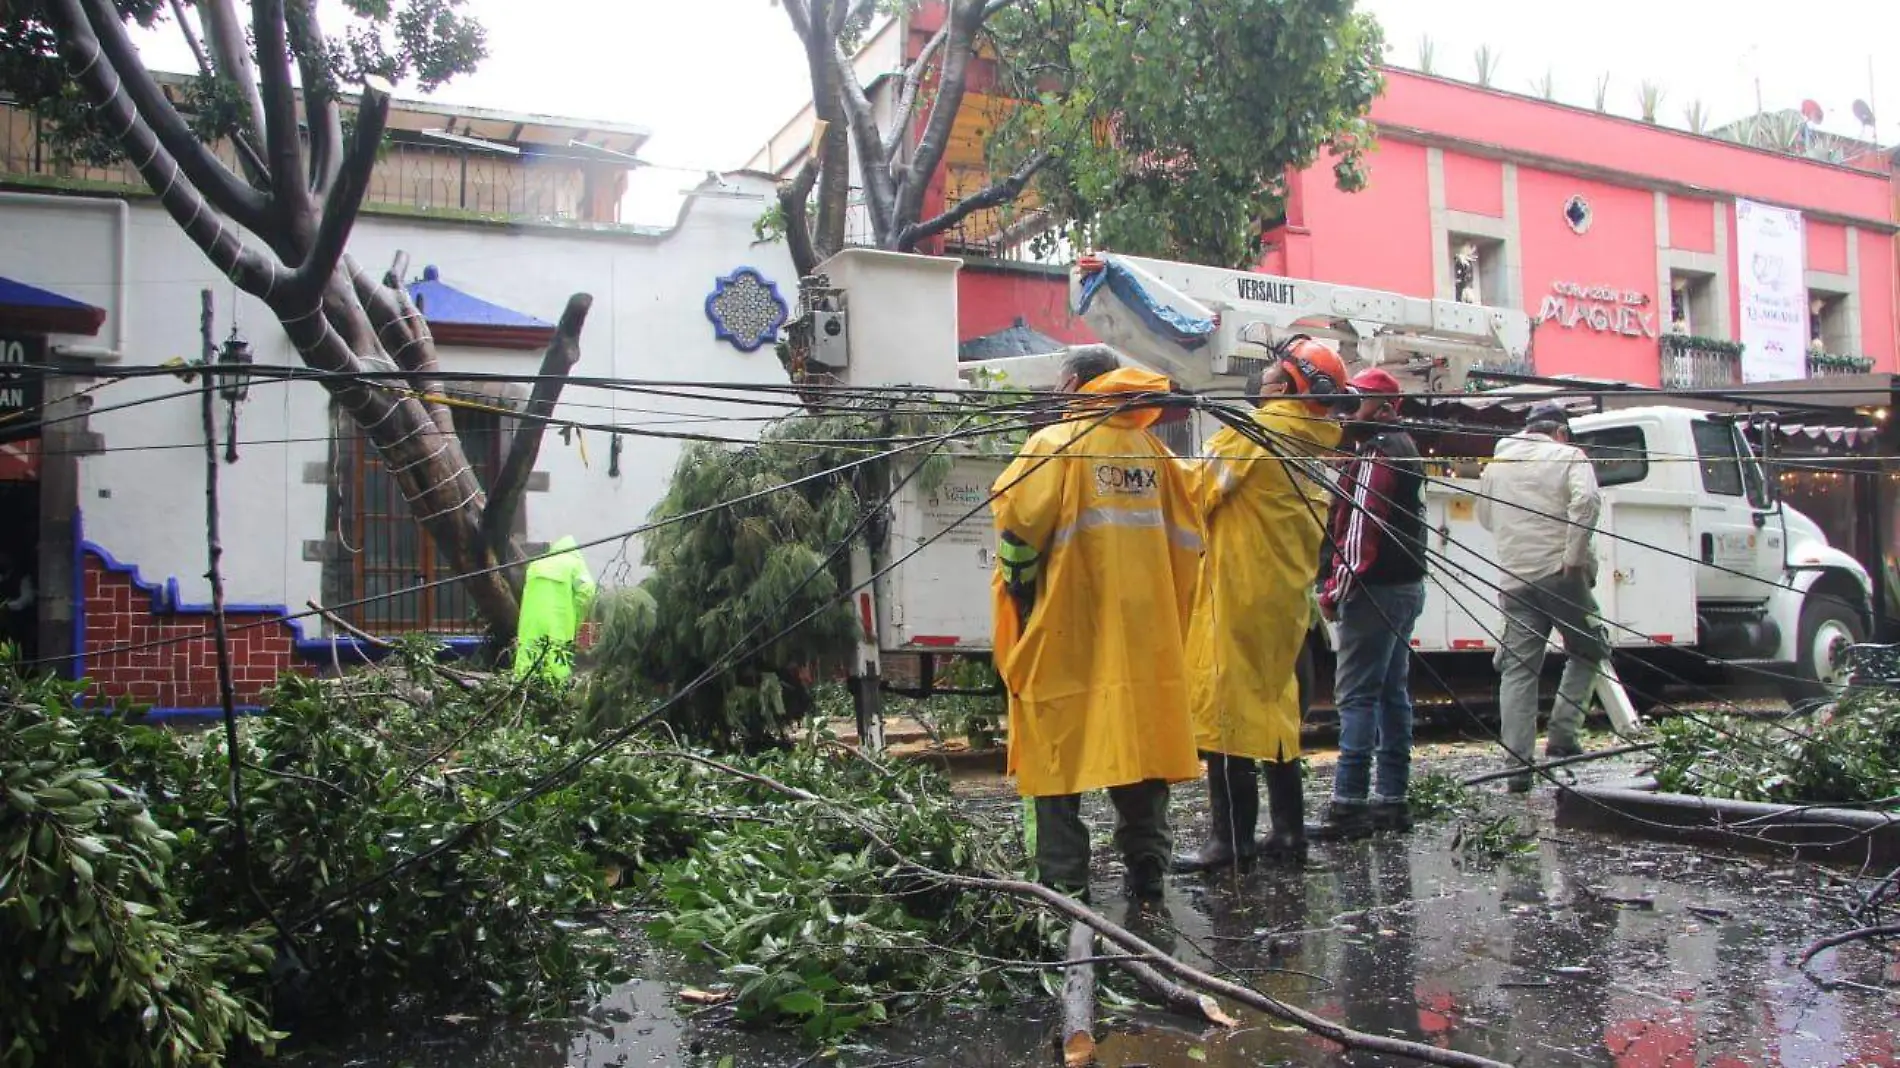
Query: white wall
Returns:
{"type": "Point", "coordinates": [143, 497]}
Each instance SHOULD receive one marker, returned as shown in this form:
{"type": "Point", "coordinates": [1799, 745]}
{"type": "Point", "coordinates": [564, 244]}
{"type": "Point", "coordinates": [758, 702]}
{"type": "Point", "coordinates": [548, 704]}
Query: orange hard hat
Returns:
{"type": "Point", "coordinates": [1316, 369]}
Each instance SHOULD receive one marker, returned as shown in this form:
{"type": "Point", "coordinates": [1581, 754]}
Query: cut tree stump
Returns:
{"type": "Point", "coordinates": [1078, 999]}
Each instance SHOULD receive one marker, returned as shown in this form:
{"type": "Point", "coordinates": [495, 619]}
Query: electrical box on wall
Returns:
{"type": "Point", "coordinates": [899, 321]}
{"type": "Point", "coordinates": [830, 341]}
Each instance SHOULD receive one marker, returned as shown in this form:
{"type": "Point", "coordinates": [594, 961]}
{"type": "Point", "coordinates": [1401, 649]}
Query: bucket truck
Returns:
{"type": "Point", "coordinates": [1695, 555]}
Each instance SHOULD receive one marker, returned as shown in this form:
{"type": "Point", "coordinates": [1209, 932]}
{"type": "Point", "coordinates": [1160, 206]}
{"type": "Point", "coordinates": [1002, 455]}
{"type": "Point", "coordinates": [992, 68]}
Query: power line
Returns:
{"type": "Point", "coordinates": [620, 536]}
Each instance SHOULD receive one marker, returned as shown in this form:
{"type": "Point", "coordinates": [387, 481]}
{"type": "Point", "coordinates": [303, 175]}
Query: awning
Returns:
{"type": "Point", "coordinates": [32, 310]}
{"type": "Point", "coordinates": [458, 318]}
{"type": "Point", "coordinates": [1852, 437]}
{"type": "Point", "coordinates": [1515, 401]}
{"type": "Point", "coordinates": [1020, 339]}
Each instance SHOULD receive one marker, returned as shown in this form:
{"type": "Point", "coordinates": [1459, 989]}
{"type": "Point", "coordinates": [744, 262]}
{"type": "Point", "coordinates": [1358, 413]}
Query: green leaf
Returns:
{"type": "Point", "coordinates": [800, 1003]}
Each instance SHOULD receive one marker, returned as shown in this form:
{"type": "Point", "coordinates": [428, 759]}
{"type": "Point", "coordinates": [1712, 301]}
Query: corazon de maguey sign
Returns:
{"type": "Point", "coordinates": [1605, 309]}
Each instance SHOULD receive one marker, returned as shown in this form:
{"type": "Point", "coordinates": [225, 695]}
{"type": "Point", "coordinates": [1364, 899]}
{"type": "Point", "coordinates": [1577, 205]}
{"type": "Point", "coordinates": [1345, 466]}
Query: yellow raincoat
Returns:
{"type": "Point", "coordinates": [555, 598]}
{"type": "Point", "coordinates": [1097, 681]}
{"type": "Point", "coordinates": [1251, 607]}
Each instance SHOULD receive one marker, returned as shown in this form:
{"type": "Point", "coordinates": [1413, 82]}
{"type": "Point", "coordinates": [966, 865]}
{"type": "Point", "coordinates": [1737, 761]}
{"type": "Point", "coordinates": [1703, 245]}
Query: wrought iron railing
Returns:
{"type": "Point", "coordinates": [1690, 362]}
{"type": "Point", "coordinates": [409, 176]}
{"type": "Point", "coordinates": [1831, 365]}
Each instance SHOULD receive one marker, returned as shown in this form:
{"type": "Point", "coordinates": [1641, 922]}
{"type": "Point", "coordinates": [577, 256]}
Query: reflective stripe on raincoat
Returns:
{"type": "Point", "coordinates": [1251, 606]}
{"type": "Point", "coordinates": [555, 598]}
{"type": "Point", "coordinates": [1097, 680]}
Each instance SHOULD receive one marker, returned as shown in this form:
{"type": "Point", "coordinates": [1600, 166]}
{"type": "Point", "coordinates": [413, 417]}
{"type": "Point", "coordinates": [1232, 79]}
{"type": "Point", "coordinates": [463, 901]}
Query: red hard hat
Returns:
{"type": "Point", "coordinates": [1374, 380]}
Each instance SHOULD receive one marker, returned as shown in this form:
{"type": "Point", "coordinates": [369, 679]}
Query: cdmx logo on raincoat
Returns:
{"type": "Point", "coordinates": [1112, 479]}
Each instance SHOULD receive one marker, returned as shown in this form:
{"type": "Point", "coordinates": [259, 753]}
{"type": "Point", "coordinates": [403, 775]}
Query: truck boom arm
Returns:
{"type": "Point", "coordinates": [1200, 324]}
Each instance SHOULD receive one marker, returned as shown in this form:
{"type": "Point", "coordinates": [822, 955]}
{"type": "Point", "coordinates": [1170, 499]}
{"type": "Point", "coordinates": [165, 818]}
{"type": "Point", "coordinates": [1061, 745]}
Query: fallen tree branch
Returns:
{"type": "Point", "coordinates": [466, 682]}
{"type": "Point", "coordinates": [1858, 934]}
{"type": "Point", "coordinates": [1581, 758]}
{"type": "Point", "coordinates": [1177, 998]}
{"type": "Point", "coordinates": [1078, 999]}
{"type": "Point", "coordinates": [1075, 911]}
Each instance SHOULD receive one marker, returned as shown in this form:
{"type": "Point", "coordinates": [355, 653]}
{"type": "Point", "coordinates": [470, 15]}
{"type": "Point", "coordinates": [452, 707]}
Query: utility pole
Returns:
{"type": "Point", "coordinates": [214, 550]}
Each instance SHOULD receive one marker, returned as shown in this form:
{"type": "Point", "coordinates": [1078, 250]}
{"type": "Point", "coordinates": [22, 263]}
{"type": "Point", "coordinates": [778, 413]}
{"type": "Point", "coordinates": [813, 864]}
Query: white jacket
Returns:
{"type": "Point", "coordinates": [1540, 502]}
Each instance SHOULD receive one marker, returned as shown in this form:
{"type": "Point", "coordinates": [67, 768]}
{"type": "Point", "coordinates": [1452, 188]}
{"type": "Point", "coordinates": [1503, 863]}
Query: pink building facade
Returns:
{"type": "Point", "coordinates": [1611, 233]}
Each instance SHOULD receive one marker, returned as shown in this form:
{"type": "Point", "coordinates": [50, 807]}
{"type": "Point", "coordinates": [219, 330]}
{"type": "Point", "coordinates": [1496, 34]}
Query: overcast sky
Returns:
{"type": "Point", "coordinates": [712, 79]}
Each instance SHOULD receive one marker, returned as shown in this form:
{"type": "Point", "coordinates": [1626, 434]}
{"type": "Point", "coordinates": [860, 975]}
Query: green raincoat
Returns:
{"type": "Point", "coordinates": [556, 597]}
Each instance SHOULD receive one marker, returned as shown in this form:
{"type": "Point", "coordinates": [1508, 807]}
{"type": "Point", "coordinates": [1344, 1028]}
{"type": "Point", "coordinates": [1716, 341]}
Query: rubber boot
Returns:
{"type": "Point", "coordinates": [1145, 881]}
{"type": "Point", "coordinates": [1286, 800]}
{"type": "Point", "coordinates": [1391, 814]}
{"type": "Point", "coordinates": [1344, 821]}
{"type": "Point", "coordinates": [1233, 799]}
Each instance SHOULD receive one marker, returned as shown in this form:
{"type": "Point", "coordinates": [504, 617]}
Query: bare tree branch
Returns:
{"type": "Point", "coordinates": [907, 95]}
{"type": "Point", "coordinates": [998, 192]}
{"type": "Point", "coordinates": [964, 19]}
{"type": "Point", "coordinates": [1859, 934]}
{"type": "Point", "coordinates": [346, 195]}
{"type": "Point", "coordinates": [873, 166]}
{"type": "Point", "coordinates": [224, 190]}
{"type": "Point", "coordinates": [792, 199]}
{"type": "Point", "coordinates": [504, 494]}
{"type": "Point", "coordinates": [321, 114]}
{"type": "Point", "coordinates": [208, 228]}
{"type": "Point", "coordinates": [248, 157]}
{"type": "Point", "coordinates": [290, 191]}
{"type": "Point", "coordinates": [834, 155]}
{"type": "Point", "coordinates": [231, 55]}
{"type": "Point", "coordinates": [191, 40]}
{"type": "Point", "coordinates": [1031, 224]}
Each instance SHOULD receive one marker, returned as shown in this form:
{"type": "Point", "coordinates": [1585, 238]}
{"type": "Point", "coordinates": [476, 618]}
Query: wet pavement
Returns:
{"type": "Point", "coordinates": [1570, 948]}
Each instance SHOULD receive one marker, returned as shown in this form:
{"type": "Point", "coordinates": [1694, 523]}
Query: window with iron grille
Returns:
{"type": "Point", "coordinates": [379, 553]}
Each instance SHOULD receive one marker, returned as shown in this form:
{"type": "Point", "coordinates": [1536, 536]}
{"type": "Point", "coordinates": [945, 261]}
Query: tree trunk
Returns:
{"type": "Point", "coordinates": [303, 207]}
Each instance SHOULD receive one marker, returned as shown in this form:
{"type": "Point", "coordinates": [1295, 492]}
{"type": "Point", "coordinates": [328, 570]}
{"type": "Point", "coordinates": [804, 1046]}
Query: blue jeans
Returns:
{"type": "Point", "coordinates": [1372, 689]}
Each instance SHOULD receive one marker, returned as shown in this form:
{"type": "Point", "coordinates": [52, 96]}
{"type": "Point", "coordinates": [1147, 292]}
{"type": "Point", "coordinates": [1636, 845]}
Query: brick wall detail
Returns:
{"type": "Point", "coordinates": [123, 610]}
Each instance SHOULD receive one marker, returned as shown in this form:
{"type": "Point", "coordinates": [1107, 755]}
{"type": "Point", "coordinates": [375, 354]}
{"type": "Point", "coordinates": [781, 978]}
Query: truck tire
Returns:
{"type": "Point", "coordinates": [1828, 625]}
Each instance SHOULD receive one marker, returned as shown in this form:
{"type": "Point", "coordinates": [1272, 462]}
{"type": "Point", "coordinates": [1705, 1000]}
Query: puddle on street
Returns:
{"type": "Point", "coordinates": [1586, 950]}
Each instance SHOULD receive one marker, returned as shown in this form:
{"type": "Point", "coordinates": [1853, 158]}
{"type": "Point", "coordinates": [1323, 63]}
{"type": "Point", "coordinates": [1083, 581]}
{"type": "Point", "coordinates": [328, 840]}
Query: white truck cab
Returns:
{"type": "Point", "coordinates": [1765, 583]}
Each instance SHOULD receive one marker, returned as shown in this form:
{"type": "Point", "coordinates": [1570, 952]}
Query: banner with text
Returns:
{"type": "Point", "coordinates": [1774, 294]}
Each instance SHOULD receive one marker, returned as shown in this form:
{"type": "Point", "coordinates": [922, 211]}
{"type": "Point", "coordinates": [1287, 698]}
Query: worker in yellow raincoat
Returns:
{"type": "Point", "coordinates": [555, 599]}
{"type": "Point", "coordinates": [1263, 511]}
{"type": "Point", "coordinates": [1098, 547]}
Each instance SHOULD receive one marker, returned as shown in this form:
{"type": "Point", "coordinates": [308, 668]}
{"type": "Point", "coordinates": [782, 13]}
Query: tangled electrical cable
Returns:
{"type": "Point", "coordinates": [843, 402]}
